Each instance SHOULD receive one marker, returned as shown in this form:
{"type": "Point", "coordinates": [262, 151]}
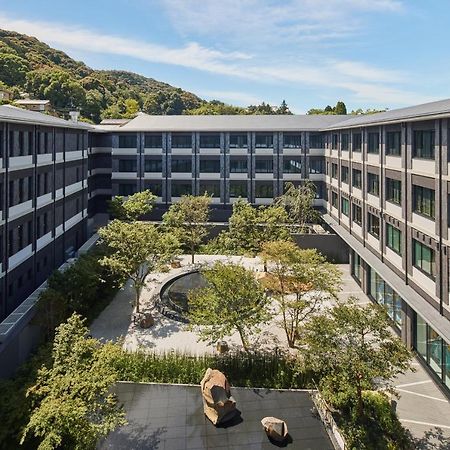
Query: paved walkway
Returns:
{"type": "Point", "coordinates": [422, 407]}
{"type": "Point", "coordinates": [168, 335]}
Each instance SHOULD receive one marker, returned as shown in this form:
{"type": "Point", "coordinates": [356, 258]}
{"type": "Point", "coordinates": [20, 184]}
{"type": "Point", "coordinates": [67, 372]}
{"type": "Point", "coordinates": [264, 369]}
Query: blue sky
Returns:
{"type": "Point", "coordinates": [368, 53]}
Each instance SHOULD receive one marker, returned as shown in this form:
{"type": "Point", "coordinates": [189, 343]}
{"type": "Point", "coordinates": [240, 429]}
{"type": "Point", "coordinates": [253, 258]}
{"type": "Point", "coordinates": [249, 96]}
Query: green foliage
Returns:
{"type": "Point", "coordinates": [249, 369]}
{"type": "Point", "coordinates": [360, 111]}
{"type": "Point", "coordinates": [187, 220]}
{"type": "Point", "coordinates": [15, 406]}
{"type": "Point", "coordinates": [85, 287]}
{"type": "Point", "coordinates": [44, 72]}
{"type": "Point", "coordinates": [300, 281]}
{"type": "Point", "coordinates": [215, 108]}
{"type": "Point", "coordinates": [339, 109]}
{"type": "Point", "coordinates": [13, 69]}
{"type": "Point", "coordinates": [352, 346]}
{"type": "Point", "coordinates": [298, 201]}
{"type": "Point", "coordinates": [72, 401]}
{"type": "Point", "coordinates": [249, 228]}
{"type": "Point", "coordinates": [232, 301]}
{"type": "Point", "coordinates": [136, 250]}
{"type": "Point", "coordinates": [133, 207]}
{"type": "Point", "coordinates": [379, 429]}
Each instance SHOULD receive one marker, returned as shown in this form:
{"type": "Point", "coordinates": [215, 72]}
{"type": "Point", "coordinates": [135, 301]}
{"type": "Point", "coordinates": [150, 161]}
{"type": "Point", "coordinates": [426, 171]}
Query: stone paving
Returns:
{"type": "Point", "coordinates": [170, 417]}
{"type": "Point", "coordinates": [422, 407]}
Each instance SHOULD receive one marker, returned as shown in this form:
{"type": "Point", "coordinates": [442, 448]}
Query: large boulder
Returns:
{"type": "Point", "coordinates": [276, 429]}
{"type": "Point", "coordinates": [218, 404]}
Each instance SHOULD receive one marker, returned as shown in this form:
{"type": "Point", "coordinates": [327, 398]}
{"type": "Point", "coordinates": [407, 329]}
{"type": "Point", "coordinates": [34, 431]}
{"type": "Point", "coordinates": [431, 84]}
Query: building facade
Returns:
{"type": "Point", "coordinates": [43, 199]}
{"type": "Point", "coordinates": [383, 185]}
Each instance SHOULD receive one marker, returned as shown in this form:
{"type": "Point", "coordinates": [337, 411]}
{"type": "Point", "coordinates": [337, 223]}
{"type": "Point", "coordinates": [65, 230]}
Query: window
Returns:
{"type": "Point", "coordinates": [334, 170]}
{"type": "Point", "coordinates": [344, 174]}
{"type": "Point", "coordinates": [292, 165]}
{"type": "Point", "coordinates": [210, 141]}
{"type": "Point", "coordinates": [153, 165]}
{"type": "Point", "coordinates": [154, 187]}
{"type": "Point", "coordinates": [127, 189]}
{"type": "Point", "coordinates": [211, 188]}
{"type": "Point", "coordinates": [423, 258]}
{"type": "Point", "coordinates": [238, 141]}
{"type": "Point", "coordinates": [345, 209]}
{"type": "Point", "coordinates": [292, 141]}
{"type": "Point", "coordinates": [181, 141]}
{"type": "Point", "coordinates": [423, 201]}
{"type": "Point", "coordinates": [153, 141]}
{"type": "Point", "coordinates": [334, 141]}
{"type": "Point", "coordinates": [356, 178]}
{"type": "Point", "coordinates": [334, 199]}
{"type": "Point", "coordinates": [393, 143]}
{"type": "Point", "coordinates": [393, 191]}
{"type": "Point", "coordinates": [263, 165]}
{"type": "Point", "coordinates": [181, 165]}
{"type": "Point", "coordinates": [315, 165]}
{"type": "Point", "coordinates": [373, 143]}
{"type": "Point", "coordinates": [373, 184]}
{"type": "Point", "coordinates": [357, 214]}
{"type": "Point", "coordinates": [356, 266]}
{"type": "Point", "coordinates": [393, 238]}
{"type": "Point", "coordinates": [357, 142]}
{"type": "Point", "coordinates": [128, 141]}
{"type": "Point", "coordinates": [127, 165]}
{"type": "Point", "coordinates": [373, 225]}
{"type": "Point", "coordinates": [21, 190]}
{"type": "Point", "coordinates": [263, 190]}
{"type": "Point", "coordinates": [238, 189]}
{"type": "Point", "coordinates": [423, 145]}
{"type": "Point", "coordinates": [316, 141]}
{"type": "Point", "coordinates": [344, 141]}
{"type": "Point", "coordinates": [238, 165]}
{"type": "Point", "coordinates": [179, 189]}
{"type": "Point", "coordinates": [264, 141]}
{"type": "Point", "coordinates": [210, 165]}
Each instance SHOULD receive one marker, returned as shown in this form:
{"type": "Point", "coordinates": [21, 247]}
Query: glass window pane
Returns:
{"type": "Point", "coordinates": [421, 336]}
{"type": "Point", "coordinates": [435, 351]}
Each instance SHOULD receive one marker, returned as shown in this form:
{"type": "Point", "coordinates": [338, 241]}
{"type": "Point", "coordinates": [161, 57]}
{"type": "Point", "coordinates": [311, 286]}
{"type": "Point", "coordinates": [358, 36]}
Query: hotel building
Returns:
{"type": "Point", "coordinates": [383, 186]}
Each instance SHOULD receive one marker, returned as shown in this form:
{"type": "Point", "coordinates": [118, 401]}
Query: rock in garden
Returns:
{"type": "Point", "coordinates": [275, 429]}
{"type": "Point", "coordinates": [218, 404]}
{"type": "Point", "coordinates": [147, 321]}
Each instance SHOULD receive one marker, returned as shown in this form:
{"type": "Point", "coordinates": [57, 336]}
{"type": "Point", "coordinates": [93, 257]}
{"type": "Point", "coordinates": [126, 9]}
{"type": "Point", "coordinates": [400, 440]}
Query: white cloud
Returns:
{"type": "Point", "coordinates": [257, 22]}
{"type": "Point", "coordinates": [362, 81]}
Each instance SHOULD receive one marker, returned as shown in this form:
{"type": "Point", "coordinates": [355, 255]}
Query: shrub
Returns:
{"type": "Point", "coordinates": [242, 369]}
{"type": "Point", "coordinates": [378, 429]}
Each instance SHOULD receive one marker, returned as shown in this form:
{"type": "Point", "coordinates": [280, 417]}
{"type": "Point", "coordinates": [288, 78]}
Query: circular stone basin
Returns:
{"type": "Point", "coordinates": [175, 292]}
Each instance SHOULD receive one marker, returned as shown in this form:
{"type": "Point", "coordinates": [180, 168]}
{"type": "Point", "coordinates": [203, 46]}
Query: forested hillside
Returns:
{"type": "Point", "coordinates": [31, 66]}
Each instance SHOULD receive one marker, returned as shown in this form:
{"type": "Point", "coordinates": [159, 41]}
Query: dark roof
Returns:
{"type": "Point", "coordinates": [238, 123]}
{"type": "Point", "coordinates": [441, 107]}
{"type": "Point", "coordinates": [171, 417]}
{"type": "Point", "coordinates": [10, 113]}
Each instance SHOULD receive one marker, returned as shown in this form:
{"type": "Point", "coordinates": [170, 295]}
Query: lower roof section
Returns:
{"type": "Point", "coordinates": [409, 295]}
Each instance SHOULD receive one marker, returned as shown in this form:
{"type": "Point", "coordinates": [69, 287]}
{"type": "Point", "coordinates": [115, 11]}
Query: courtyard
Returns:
{"type": "Point", "coordinates": [428, 423]}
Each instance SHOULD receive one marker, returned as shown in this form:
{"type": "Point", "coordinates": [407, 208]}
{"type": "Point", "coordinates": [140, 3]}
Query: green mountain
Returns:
{"type": "Point", "coordinates": [31, 66]}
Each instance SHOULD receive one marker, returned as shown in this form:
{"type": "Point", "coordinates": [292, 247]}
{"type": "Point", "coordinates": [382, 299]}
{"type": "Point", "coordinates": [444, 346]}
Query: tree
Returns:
{"type": "Point", "coordinates": [133, 207]}
{"type": "Point", "coordinates": [340, 108]}
{"type": "Point", "coordinates": [352, 347]}
{"type": "Point", "coordinates": [232, 301]}
{"type": "Point", "coordinates": [250, 227]}
{"type": "Point", "coordinates": [13, 69]}
{"type": "Point", "coordinates": [131, 108]}
{"type": "Point", "coordinates": [283, 108]}
{"type": "Point", "coordinates": [299, 203]}
{"type": "Point", "coordinates": [137, 249]}
{"type": "Point", "coordinates": [187, 219]}
{"type": "Point", "coordinates": [72, 401]}
{"type": "Point", "coordinates": [301, 281]}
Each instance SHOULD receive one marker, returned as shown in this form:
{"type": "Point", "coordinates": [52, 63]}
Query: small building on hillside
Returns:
{"type": "Point", "coordinates": [34, 105]}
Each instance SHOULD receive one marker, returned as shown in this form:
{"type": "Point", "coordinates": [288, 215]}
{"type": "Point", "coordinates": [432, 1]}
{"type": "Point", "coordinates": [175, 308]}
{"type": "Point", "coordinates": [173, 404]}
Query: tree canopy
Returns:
{"type": "Point", "coordinates": [133, 207]}
{"type": "Point", "coordinates": [232, 301]}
